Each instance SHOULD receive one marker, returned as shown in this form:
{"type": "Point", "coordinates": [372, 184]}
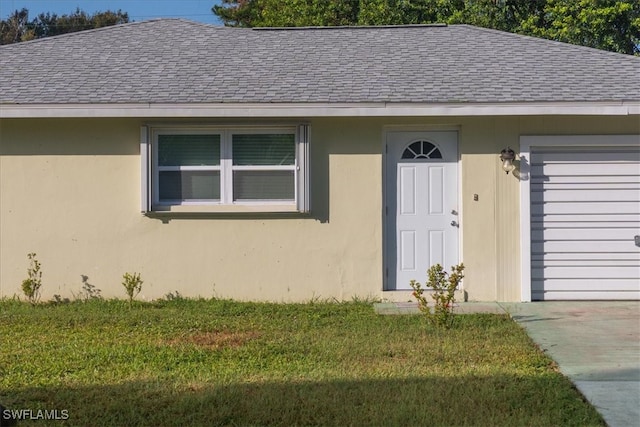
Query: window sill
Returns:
{"type": "Point", "coordinates": [223, 209]}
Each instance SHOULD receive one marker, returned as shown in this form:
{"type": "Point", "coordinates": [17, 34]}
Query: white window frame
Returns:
{"type": "Point", "coordinates": [150, 170]}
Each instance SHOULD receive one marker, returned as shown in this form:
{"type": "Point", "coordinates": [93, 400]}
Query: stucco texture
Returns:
{"type": "Point", "coordinates": [70, 192]}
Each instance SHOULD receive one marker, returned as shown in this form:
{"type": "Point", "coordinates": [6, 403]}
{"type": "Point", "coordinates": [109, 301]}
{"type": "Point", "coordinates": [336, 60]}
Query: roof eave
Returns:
{"type": "Point", "coordinates": [383, 109]}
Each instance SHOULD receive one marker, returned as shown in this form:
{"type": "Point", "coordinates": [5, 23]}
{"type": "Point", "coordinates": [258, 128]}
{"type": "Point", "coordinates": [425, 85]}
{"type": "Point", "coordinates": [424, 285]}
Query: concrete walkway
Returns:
{"type": "Point", "coordinates": [596, 344]}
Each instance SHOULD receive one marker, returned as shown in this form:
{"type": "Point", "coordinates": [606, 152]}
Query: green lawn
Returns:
{"type": "Point", "coordinates": [216, 362]}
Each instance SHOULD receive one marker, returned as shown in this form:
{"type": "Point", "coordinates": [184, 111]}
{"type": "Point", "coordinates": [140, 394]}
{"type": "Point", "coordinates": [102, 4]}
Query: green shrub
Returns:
{"type": "Point", "coordinates": [443, 286]}
{"type": "Point", "coordinates": [32, 284]}
{"type": "Point", "coordinates": [132, 284]}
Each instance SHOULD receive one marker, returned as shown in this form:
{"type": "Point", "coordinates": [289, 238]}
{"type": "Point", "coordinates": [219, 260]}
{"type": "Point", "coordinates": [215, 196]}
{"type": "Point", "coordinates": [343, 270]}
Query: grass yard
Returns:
{"type": "Point", "coordinates": [216, 362]}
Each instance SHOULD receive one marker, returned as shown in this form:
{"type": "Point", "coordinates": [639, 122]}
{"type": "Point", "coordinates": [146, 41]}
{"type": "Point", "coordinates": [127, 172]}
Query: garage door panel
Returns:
{"type": "Point", "coordinates": [584, 156]}
{"type": "Point", "coordinates": [576, 186]}
{"type": "Point", "coordinates": [631, 262]}
{"type": "Point", "coordinates": [580, 234]}
{"type": "Point", "coordinates": [578, 218]}
{"type": "Point", "coordinates": [585, 296]}
{"type": "Point", "coordinates": [576, 258]}
{"type": "Point", "coordinates": [586, 246]}
{"type": "Point", "coordinates": [630, 207]}
{"type": "Point", "coordinates": [578, 169]}
{"type": "Point", "coordinates": [587, 285]}
{"type": "Point", "coordinates": [586, 195]}
{"type": "Point", "coordinates": [633, 227]}
{"type": "Point", "coordinates": [537, 181]}
{"type": "Point", "coordinates": [582, 272]}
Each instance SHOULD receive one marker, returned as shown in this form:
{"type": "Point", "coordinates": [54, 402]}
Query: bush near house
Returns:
{"type": "Point", "coordinates": [216, 362]}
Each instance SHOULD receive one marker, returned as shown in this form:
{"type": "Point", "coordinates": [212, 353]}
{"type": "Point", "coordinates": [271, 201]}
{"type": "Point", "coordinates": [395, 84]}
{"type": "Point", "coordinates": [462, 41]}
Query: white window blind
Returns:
{"type": "Point", "coordinates": [264, 166]}
{"type": "Point", "coordinates": [187, 167]}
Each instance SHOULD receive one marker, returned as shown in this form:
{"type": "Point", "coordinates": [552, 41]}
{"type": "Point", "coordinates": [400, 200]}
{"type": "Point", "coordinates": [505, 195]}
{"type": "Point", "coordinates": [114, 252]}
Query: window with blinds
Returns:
{"type": "Point", "coordinates": [209, 166]}
{"type": "Point", "coordinates": [263, 166]}
{"type": "Point", "coordinates": [188, 168]}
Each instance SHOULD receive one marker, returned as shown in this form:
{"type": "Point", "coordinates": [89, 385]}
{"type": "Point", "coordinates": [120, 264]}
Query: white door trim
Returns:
{"type": "Point", "coordinates": [387, 129]}
{"type": "Point", "coordinates": [529, 143]}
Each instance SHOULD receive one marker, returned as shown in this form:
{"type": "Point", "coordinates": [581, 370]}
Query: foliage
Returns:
{"type": "Point", "coordinates": [239, 13]}
{"type": "Point", "coordinates": [13, 29]}
{"type": "Point", "coordinates": [442, 288]}
{"type": "Point", "coordinates": [219, 362]}
{"type": "Point", "coordinates": [32, 284]}
{"type": "Point", "coordinates": [174, 296]}
{"type": "Point", "coordinates": [17, 27]}
{"type": "Point", "coordinates": [132, 285]}
{"type": "Point", "coordinates": [604, 24]}
{"type": "Point", "coordinates": [57, 299]}
{"type": "Point", "coordinates": [314, 12]}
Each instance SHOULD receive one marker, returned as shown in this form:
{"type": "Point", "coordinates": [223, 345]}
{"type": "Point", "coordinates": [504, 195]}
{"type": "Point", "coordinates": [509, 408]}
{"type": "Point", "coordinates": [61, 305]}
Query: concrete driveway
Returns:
{"type": "Point", "coordinates": [596, 344]}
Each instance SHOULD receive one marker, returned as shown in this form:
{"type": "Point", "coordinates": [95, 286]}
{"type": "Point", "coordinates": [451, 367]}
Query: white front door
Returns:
{"type": "Point", "coordinates": [422, 220]}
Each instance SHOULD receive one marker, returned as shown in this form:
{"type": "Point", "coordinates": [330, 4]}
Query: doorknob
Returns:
{"type": "Point", "coordinates": [454, 224]}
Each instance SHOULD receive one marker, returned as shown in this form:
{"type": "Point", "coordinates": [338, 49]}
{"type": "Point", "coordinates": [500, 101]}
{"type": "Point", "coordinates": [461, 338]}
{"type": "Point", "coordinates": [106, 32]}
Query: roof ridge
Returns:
{"type": "Point", "coordinates": [106, 28]}
{"type": "Point", "coordinates": [350, 27]}
{"type": "Point", "coordinates": [544, 40]}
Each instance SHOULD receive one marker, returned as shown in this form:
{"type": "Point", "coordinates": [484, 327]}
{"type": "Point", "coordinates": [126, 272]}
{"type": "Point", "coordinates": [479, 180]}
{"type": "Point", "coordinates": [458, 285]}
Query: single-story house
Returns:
{"type": "Point", "coordinates": [288, 164]}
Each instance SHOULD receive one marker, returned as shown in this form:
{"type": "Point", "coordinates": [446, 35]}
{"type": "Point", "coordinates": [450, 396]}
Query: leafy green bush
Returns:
{"type": "Point", "coordinates": [443, 286]}
{"type": "Point", "coordinates": [32, 284]}
{"type": "Point", "coordinates": [132, 284]}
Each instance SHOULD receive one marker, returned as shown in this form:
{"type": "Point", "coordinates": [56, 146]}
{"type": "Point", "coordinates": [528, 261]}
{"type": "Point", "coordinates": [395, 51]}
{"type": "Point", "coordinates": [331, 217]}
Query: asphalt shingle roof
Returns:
{"type": "Point", "coordinates": [178, 61]}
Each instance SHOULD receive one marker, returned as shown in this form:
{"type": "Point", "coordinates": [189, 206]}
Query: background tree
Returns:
{"type": "Point", "coordinates": [605, 24]}
{"type": "Point", "coordinates": [14, 27]}
{"type": "Point", "coordinates": [17, 27]}
{"type": "Point", "coordinates": [239, 13]}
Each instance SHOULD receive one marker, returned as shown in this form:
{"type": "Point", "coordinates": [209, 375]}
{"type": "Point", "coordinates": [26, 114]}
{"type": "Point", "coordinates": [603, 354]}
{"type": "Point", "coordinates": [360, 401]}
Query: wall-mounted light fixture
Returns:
{"type": "Point", "coordinates": [507, 156]}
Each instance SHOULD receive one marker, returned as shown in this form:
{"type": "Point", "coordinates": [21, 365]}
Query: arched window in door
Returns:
{"type": "Point", "coordinates": [421, 150]}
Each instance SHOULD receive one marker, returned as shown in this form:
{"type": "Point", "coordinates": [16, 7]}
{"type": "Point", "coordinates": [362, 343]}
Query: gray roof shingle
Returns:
{"type": "Point", "coordinates": [178, 61]}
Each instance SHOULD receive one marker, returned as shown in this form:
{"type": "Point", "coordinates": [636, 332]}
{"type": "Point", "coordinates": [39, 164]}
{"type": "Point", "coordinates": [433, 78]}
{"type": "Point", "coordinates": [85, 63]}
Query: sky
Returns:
{"type": "Point", "coordinates": [138, 10]}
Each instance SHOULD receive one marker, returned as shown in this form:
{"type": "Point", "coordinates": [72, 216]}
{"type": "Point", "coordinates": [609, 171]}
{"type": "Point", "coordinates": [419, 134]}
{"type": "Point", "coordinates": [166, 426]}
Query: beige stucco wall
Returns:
{"type": "Point", "coordinates": [70, 191]}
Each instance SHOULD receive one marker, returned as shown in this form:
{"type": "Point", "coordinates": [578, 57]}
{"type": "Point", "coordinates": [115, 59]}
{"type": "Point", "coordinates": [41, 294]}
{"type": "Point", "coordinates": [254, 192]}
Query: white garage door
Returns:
{"type": "Point", "coordinates": [585, 223]}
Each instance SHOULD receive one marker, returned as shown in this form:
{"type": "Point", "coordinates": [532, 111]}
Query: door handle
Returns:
{"type": "Point", "coordinates": [454, 224]}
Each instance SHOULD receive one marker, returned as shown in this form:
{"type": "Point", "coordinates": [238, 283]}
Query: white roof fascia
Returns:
{"type": "Point", "coordinates": [223, 110]}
